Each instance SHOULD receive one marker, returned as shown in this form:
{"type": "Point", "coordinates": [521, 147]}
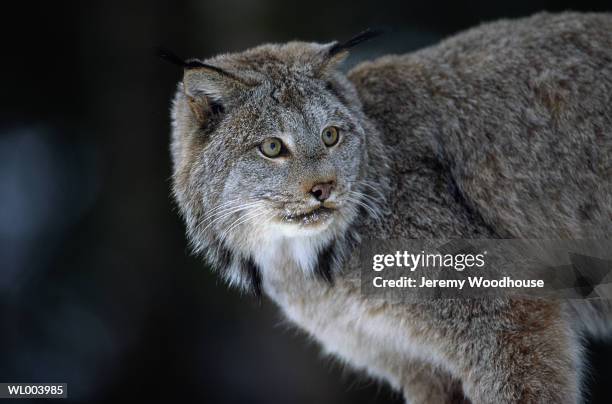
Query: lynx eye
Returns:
{"type": "Point", "coordinates": [330, 136]}
{"type": "Point", "coordinates": [271, 147]}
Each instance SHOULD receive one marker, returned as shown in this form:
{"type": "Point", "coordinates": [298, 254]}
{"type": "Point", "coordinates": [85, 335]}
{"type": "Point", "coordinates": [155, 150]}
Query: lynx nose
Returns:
{"type": "Point", "coordinates": [322, 191]}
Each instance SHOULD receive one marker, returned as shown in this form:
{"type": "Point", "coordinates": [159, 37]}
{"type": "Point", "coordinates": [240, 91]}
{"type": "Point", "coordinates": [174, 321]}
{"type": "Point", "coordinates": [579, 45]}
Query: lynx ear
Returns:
{"type": "Point", "coordinates": [207, 87]}
{"type": "Point", "coordinates": [213, 82]}
{"type": "Point", "coordinates": [336, 52]}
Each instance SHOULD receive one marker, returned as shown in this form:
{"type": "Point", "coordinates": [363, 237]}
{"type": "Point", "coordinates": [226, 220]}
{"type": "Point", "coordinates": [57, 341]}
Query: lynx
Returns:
{"type": "Point", "coordinates": [282, 165]}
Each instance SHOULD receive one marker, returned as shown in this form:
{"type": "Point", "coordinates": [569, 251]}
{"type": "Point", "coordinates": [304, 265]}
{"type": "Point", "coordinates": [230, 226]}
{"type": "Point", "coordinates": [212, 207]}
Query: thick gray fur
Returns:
{"type": "Point", "coordinates": [502, 131]}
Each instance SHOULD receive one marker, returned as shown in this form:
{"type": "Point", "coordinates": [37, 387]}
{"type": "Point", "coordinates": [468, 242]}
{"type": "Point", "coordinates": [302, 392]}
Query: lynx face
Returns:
{"type": "Point", "coordinates": [282, 170]}
{"type": "Point", "coordinates": [269, 150]}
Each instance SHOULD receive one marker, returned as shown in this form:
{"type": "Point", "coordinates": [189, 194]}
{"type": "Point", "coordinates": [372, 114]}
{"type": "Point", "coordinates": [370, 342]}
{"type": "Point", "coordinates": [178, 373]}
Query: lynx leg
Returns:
{"type": "Point", "coordinates": [422, 383]}
{"type": "Point", "coordinates": [537, 360]}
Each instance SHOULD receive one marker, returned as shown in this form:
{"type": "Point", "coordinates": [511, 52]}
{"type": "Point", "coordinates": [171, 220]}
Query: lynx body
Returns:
{"type": "Point", "coordinates": [502, 131]}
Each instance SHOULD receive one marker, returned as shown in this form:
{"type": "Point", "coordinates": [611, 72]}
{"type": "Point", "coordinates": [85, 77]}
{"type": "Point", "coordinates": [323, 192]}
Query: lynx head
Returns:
{"type": "Point", "coordinates": [270, 152]}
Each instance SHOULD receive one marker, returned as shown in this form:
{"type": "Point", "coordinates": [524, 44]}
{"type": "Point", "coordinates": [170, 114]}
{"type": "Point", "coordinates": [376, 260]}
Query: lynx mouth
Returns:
{"type": "Point", "coordinates": [314, 216]}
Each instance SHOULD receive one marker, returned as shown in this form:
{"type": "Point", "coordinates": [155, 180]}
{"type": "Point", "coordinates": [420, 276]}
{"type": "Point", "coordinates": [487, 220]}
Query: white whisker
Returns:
{"type": "Point", "coordinates": [224, 213]}
{"type": "Point", "coordinates": [373, 188]}
{"type": "Point", "coordinates": [243, 219]}
{"type": "Point", "coordinates": [359, 199]}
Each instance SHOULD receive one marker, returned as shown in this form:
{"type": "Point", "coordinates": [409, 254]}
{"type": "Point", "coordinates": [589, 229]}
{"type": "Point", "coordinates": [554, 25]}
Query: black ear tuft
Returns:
{"type": "Point", "coordinates": [171, 57]}
{"type": "Point", "coordinates": [354, 41]}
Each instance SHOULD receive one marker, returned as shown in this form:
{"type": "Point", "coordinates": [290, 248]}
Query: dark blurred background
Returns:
{"type": "Point", "coordinates": [97, 287]}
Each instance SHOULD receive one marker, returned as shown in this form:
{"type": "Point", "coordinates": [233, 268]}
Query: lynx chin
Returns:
{"type": "Point", "coordinates": [282, 164]}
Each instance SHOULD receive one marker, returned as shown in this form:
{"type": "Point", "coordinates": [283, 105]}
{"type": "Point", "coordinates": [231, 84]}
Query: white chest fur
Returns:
{"type": "Point", "coordinates": [356, 330]}
{"type": "Point", "coordinates": [278, 247]}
